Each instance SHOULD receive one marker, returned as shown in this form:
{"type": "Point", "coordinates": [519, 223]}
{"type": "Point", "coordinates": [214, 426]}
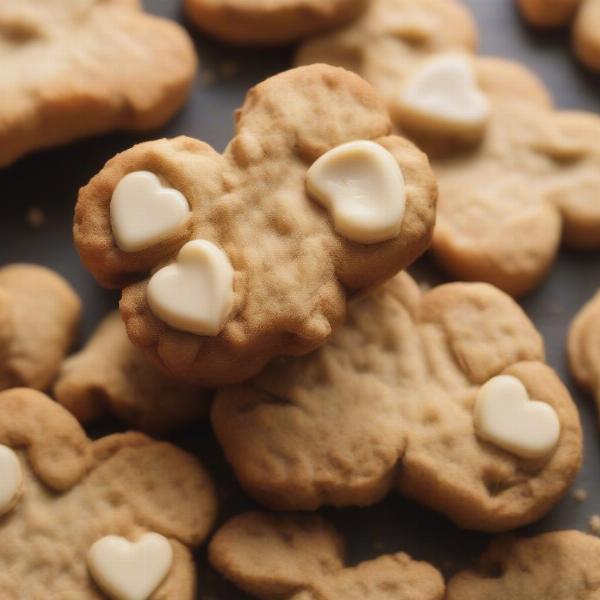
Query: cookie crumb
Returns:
{"type": "Point", "coordinates": [594, 524]}
{"type": "Point", "coordinates": [35, 217]}
{"type": "Point", "coordinates": [208, 78]}
{"type": "Point", "coordinates": [228, 69]}
{"type": "Point", "coordinates": [580, 495]}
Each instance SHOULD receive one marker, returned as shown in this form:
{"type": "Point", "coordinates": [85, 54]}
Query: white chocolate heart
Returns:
{"type": "Point", "coordinates": [195, 294]}
{"type": "Point", "coordinates": [362, 186]}
{"type": "Point", "coordinates": [143, 211]}
{"type": "Point", "coordinates": [130, 571]}
{"type": "Point", "coordinates": [11, 479]}
{"type": "Point", "coordinates": [444, 89]}
{"type": "Point", "coordinates": [507, 417]}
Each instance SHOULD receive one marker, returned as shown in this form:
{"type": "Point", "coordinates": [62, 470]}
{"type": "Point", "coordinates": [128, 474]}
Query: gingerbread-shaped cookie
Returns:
{"type": "Point", "coordinates": [111, 375]}
{"type": "Point", "coordinates": [253, 253]}
{"type": "Point", "coordinates": [586, 24]}
{"type": "Point", "coordinates": [302, 557]}
{"type": "Point", "coordinates": [442, 396]}
{"type": "Point", "coordinates": [73, 68]}
{"type": "Point", "coordinates": [516, 176]}
{"type": "Point", "coordinates": [111, 519]}
{"type": "Point", "coordinates": [584, 347]}
{"type": "Point", "coordinates": [562, 565]}
{"type": "Point", "coordinates": [269, 22]}
{"type": "Point", "coordinates": [39, 319]}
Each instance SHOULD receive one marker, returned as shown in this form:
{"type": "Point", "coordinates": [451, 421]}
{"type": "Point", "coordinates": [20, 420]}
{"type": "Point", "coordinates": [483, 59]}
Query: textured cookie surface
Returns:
{"type": "Point", "coordinates": [302, 558]}
{"type": "Point", "coordinates": [293, 272]}
{"type": "Point", "coordinates": [562, 565]}
{"type": "Point", "coordinates": [76, 492]}
{"type": "Point", "coordinates": [270, 21]}
{"type": "Point", "coordinates": [584, 347]}
{"type": "Point", "coordinates": [530, 180]}
{"type": "Point", "coordinates": [388, 403]}
{"type": "Point", "coordinates": [39, 318]}
{"type": "Point", "coordinates": [112, 375]}
{"type": "Point", "coordinates": [72, 68]}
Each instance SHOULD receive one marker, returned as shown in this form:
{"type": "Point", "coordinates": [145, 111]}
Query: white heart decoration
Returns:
{"type": "Point", "coordinates": [143, 211]}
{"type": "Point", "coordinates": [444, 88]}
{"type": "Point", "coordinates": [11, 479]}
{"type": "Point", "coordinates": [507, 417]}
{"type": "Point", "coordinates": [362, 186]}
{"type": "Point", "coordinates": [195, 294]}
{"type": "Point", "coordinates": [130, 571]}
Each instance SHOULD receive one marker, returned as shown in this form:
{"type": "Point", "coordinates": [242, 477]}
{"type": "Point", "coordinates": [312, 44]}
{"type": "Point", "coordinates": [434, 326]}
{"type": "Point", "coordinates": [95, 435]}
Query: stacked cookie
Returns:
{"type": "Point", "coordinates": [265, 289]}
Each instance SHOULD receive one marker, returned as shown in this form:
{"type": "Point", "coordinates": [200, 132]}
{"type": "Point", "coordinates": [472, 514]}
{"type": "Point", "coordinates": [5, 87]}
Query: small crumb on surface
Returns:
{"type": "Point", "coordinates": [580, 495]}
{"type": "Point", "coordinates": [594, 524]}
{"type": "Point", "coordinates": [228, 69]}
{"type": "Point", "coordinates": [35, 217]}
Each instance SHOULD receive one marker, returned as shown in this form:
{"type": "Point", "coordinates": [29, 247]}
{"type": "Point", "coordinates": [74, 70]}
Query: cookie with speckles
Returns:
{"type": "Point", "coordinates": [75, 492]}
{"type": "Point", "coordinates": [276, 269]}
{"type": "Point", "coordinates": [562, 565]}
{"type": "Point", "coordinates": [389, 404]}
{"type": "Point", "coordinates": [295, 557]}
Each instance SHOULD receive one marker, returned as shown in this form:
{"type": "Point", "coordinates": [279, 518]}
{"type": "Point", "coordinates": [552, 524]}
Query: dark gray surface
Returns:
{"type": "Point", "coordinates": [50, 180]}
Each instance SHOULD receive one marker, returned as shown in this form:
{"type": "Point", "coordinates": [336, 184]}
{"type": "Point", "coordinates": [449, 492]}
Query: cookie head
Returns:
{"type": "Point", "coordinates": [443, 396]}
{"type": "Point", "coordinates": [253, 253]}
{"type": "Point", "coordinates": [97, 514]}
{"type": "Point", "coordinates": [524, 569]}
{"type": "Point", "coordinates": [141, 67]}
{"type": "Point", "coordinates": [302, 557]}
{"type": "Point", "coordinates": [270, 22]}
{"type": "Point", "coordinates": [39, 321]}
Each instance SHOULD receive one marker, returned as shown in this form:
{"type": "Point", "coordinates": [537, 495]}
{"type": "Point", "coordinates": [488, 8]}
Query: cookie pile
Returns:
{"type": "Point", "coordinates": [264, 289]}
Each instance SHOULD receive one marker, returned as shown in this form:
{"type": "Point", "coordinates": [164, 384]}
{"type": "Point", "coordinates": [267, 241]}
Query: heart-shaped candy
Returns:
{"type": "Point", "coordinates": [143, 211]}
{"type": "Point", "coordinates": [11, 479]}
{"type": "Point", "coordinates": [444, 89]}
{"type": "Point", "coordinates": [507, 417]}
{"type": "Point", "coordinates": [195, 294]}
{"type": "Point", "coordinates": [130, 571]}
{"type": "Point", "coordinates": [362, 186]}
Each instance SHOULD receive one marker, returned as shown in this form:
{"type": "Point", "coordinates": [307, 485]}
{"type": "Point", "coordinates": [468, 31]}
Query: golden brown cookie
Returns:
{"type": "Point", "coordinates": [270, 22]}
{"type": "Point", "coordinates": [74, 68]}
{"type": "Point", "coordinates": [67, 494]}
{"type": "Point", "coordinates": [585, 15]}
{"type": "Point", "coordinates": [386, 42]}
{"type": "Point", "coordinates": [516, 176]}
{"type": "Point", "coordinates": [548, 13]}
{"type": "Point", "coordinates": [240, 263]}
{"type": "Point", "coordinates": [39, 319]}
{"type": "Point", "coordinates": [111, 375]}
{"type": "Point", "coordinates": [562, 565]}
{"type": "Point", "coordinates": [584, 347]}
{"type": "Point", "coordinates": [302, 558]}
{"type": "Point", "coordinates": [407, 396]}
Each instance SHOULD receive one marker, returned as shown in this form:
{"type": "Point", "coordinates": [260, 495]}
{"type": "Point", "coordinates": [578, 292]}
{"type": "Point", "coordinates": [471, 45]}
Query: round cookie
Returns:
{"type": "Point", "coordinates": [39, 320]}
{"type": "Point", "coordinates": [300, 557]}
{"type": "Point", "coordinates": [270, 22]}
{"type": "Point", "coordinates": [584, 347]}
{"type": "Point", "coordinates": [75, 68]}
{"type": "Point", "coordinates": [548, 13]}
{"type": "Point", "coordinates": [562, 565]}
{"type": "Point", "coordinates": [256, 266]}
{"type": "Point", "coordinates": [111, 375]}
{"type": "Point", "coordinates": [122, 500]}
{"type": "Point", "coordinates": [389, 403]}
